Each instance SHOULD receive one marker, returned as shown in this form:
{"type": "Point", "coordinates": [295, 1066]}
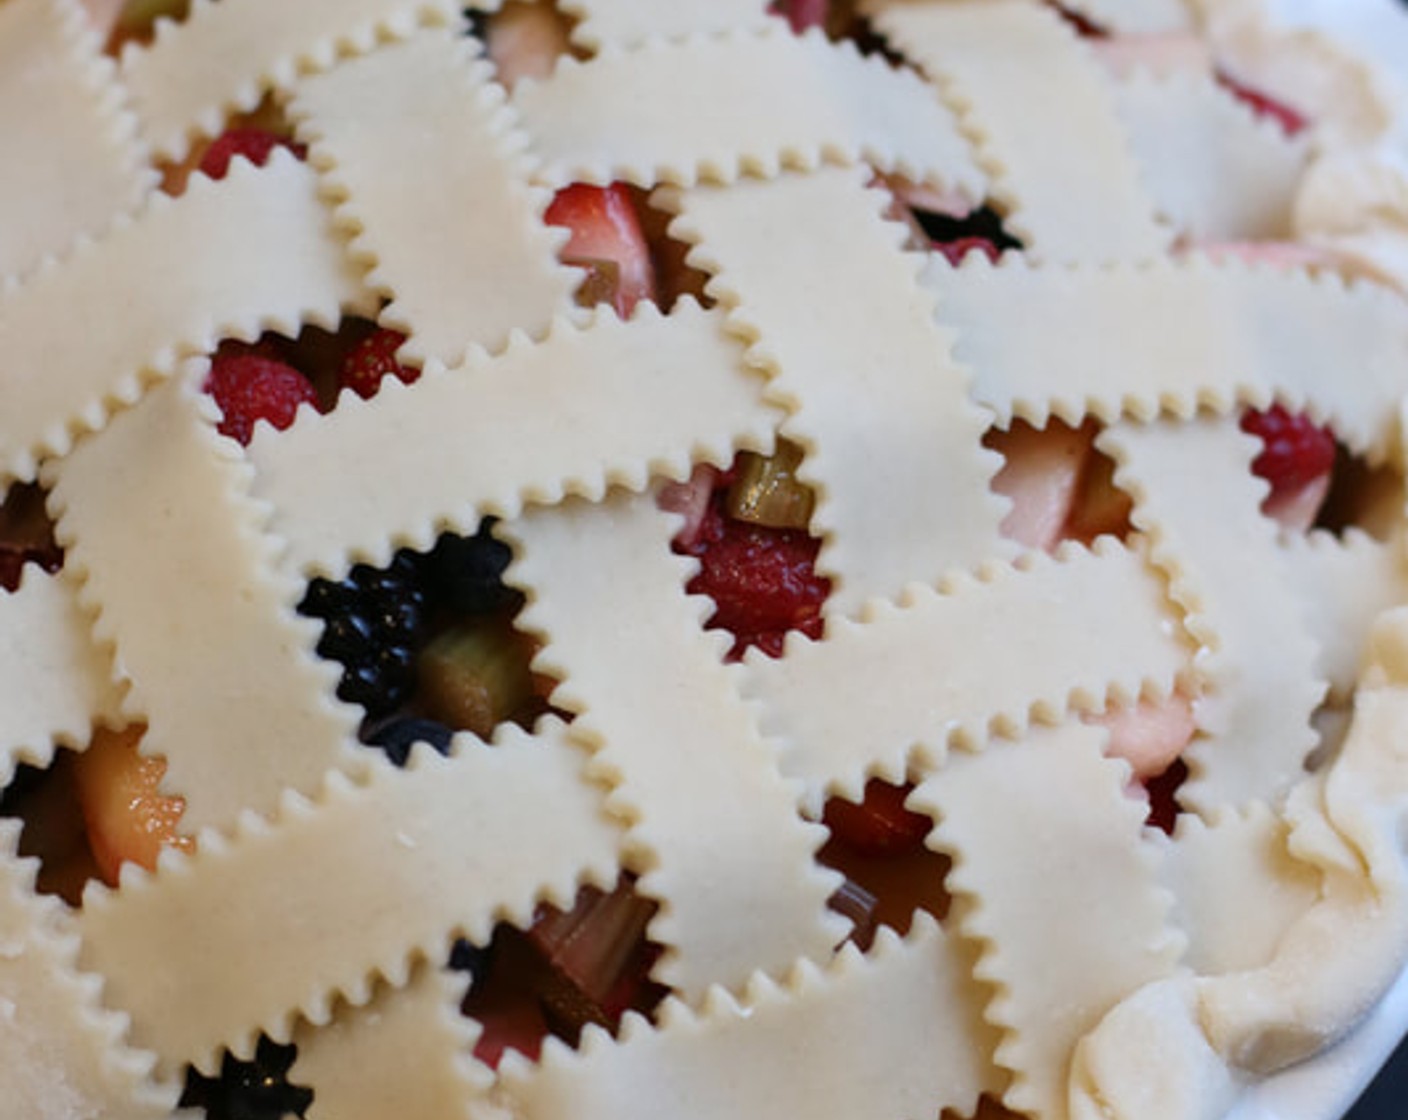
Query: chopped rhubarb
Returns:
{"type": "Point", "coordinates": [127, 816]}
{"type": "Point", "coordinates": [607, 241]}
{"type": "Point", "coordinates": [1149, 735]}
{"type": "Point", "coordinates": [766, 490]}
{"type": "Point", "coordinates": [690, 499]}
{"type": "Point", "coordinates": [1041, 476]}
{"type": "Point", "coordinates": [525, 40]}
{"type": "Point", "coordinates": [475, 675]}
{"type": "Point", "coordinates": [880, 824]}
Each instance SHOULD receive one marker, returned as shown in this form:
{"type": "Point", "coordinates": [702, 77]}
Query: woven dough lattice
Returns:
{"type": "Point", "coordinates": [1089, 965]}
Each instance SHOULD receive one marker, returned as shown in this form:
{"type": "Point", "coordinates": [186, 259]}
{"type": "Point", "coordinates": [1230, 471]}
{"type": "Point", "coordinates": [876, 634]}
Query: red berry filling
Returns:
{"type": "Point", "coordinates": [880, 825]}
{"type": "Point", "coordinates": [762, 579]}
{"type": "Point", "coordinates": [1163, 796]}
{"type": "Point", "coordinates": [371, 360]}
{"type": "Point", "coordinates": [255, 144]}
{"type": "Point", "coordinates": [1296, 453]}
{"type": "Point", "coordinates": [802, 15]}
{"type": "Point", "coordinates": [606, 240]}
{"type": "Point", "coordinates": [1293, 121]}
{"type": "Point", "coordinates": [249, 386]}
{"type": "Point", "coordinates": [26, 535]}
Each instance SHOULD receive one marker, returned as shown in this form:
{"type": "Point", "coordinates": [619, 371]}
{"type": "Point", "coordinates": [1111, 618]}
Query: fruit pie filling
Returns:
{"type": "Point", "coordinates": [428, 645]}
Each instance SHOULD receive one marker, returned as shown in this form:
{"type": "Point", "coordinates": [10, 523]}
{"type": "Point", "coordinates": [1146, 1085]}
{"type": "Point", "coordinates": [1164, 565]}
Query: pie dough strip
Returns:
{"type": "Point", "coordinates": [72, 160]}
{"type": "Point", "coordinates": [895, 1033]}
{"type": "Point", "coordinates": [407, 1053]}
{"type": "Point", "coordinates": [1343, 585]}
{"type": "Point", "coordinates": [1093, 626]}
{"type": "Point", "coordinates": [1209, 1033]}
{"type": "Point", "coordinates": [224, 57]}
{"type": "Point", "coordinates": [65, 1056]}
{"type": "Point", "coordinates": [1046, 132]}
{"type": "Point", "coordinates": [372, 877]}
{"type": "Point", "coordinates": [1197, 499]}
{"type": "Point", "coordinates": [272, 262]}
{"type": "Point", "coordinates": [253, 712]}
{"type": "Point", "coordinates": [56, 683]}
{"type": "Point", "coordinates": [1177, 336]}
{"type": "Point", "coordinates": [629, 22]}
{"type": "Point", "coordinates": [1216, 171]}
{"type": "Point", "coordinates": [1237, 888]}
{"type": "Point", "coordinates": [442, 211]}
{"type": "Point", "coordinates": [721, 107]}
{"type": "Point", "coordinates": [714, 826]}
{"type": "Point", "coordinates": [1102, 934]}
{"type": "Point", "coordinates": [593, 405]}
{"type": "Point", "coordinates": [876, 400]}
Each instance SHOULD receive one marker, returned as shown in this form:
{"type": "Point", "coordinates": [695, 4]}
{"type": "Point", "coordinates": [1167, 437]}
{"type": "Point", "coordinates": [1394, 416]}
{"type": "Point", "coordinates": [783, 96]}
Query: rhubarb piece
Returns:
{"type": "Point", "coordinates": [607, 241]}
{"type": "Point", "coordinates": [254, 144]}
{"type": "Point", "coordinates": [1100, 507]}
{"type": "Point", "coordinates": [690, 499]}
{"type": "Point", "coordinates": [802, 15]}
{"type": "Point", "coordinates": [766, 490]}
{"type": "Point", "coordinates": [126, 815]}
{"type": "Point", "coordinates": [525, 40]}
{"type": "Point", "coordinates": [1149, 735]}
{"type": "Point", "coordinates": [1291, 120]}
{"type": "Point", "coordinates": [1041, 476]}
{"type": "Point", "coordinates": [475, 676]}
{"type": "Point", "coordinates": [879, 825]}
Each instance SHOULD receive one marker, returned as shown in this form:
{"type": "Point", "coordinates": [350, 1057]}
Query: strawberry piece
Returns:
{"type": "Point", "coordinates": [127, 816]}
{"type": "Point", "coordinates": [250, 387]}
{"type": "Point", "coordinates": [802, 14]}
{"type": "Point", "coordinates": [880, 825]}
{"type": "Point", "coordinates": [255, 144]}
{"type": "Point", "coordinates": [1298, 453]}
{"type": "Point", "coordinates": [371, 360]}
{"type": "Point", "coordinates": [763, 581]}
{"type": "Point", "coordinates": [607, 240]}
{"type": "Point", "coordinates": [1293, 121]}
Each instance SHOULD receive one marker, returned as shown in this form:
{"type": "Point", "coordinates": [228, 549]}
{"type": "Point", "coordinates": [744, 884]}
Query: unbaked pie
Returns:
{"type": "Point", "coordinates": [700, 558]}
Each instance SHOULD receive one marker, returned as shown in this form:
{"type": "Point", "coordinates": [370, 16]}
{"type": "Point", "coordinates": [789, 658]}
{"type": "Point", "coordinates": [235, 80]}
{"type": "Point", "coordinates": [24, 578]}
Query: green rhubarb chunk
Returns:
{"type": "Point", "coordinates": [767, 491]}
{"type": "Point", "coordinates": [475, 676]}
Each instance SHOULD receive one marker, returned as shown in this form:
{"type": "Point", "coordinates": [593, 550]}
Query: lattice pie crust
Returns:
{"type": "Point", "coordinates": [1091, 967]}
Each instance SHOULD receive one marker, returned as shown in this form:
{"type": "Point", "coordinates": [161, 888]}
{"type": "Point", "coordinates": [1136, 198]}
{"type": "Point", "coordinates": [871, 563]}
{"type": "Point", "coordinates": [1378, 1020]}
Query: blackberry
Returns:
{"type": "Point", "coordinates": [374, 621]}
{"type": "Point", "coordinates": [465, 574]}
{"type": "Point", "coordinates": [257, 1090]}
{"type": "Point", "coordinates": [397, 736]}
{"type": "Point", "coordinates": [984, 225]}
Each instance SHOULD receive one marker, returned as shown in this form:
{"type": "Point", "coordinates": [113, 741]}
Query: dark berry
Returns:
{"type": "Point", "coordinates": [763, 580]}
{"type": "Point", "coordinates": [396, 737]}
{"type": "Point", "coordinates": [465, 956]}
{"type": "Point", "coordinates": [374, 621]}
{"type": "Point", "coordinates": [1296, 450]}
{"type": "Point", "coordinates": [257, 1090]}
{"type": "Point", "coordinates": [255, 144]}
{"type": "Point", "coordinates": [250, 387]}
{"type": "Point", "coordinates": [465, 574]}
{"type": "Point", "coordinates": [955, 238]}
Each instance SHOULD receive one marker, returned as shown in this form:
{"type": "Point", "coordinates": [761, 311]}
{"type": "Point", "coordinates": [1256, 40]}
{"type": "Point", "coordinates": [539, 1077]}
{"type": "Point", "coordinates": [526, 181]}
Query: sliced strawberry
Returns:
{"type": "Point", "coordinates": [607, 241]}
{"type": "Point", "coordinates": [763, 581]}
{"type": "Point", "coordinates": [127, 816]}
{"type": "Point", "coordinates": [1296, 459]}
{"type": "Point", "coordinates": [255, 144]}
{"type": "Point", "coordinates": [250, 387]}
{"type": "Point", "coordinates": [880, 825]}
{"type": "Point", "coordinates": [372, 359]}
{"type": "Point", "coordinates": [1292, 120]}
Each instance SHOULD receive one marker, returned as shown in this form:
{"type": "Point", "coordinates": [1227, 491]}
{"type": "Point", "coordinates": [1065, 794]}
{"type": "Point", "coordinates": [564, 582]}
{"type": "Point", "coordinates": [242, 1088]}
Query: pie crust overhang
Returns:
{"type": "Point", "coordinates": [1257, 935]}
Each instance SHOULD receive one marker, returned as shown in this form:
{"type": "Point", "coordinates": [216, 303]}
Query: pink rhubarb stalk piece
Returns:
{"type": "Point", "coordinates": [1149, 735]}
